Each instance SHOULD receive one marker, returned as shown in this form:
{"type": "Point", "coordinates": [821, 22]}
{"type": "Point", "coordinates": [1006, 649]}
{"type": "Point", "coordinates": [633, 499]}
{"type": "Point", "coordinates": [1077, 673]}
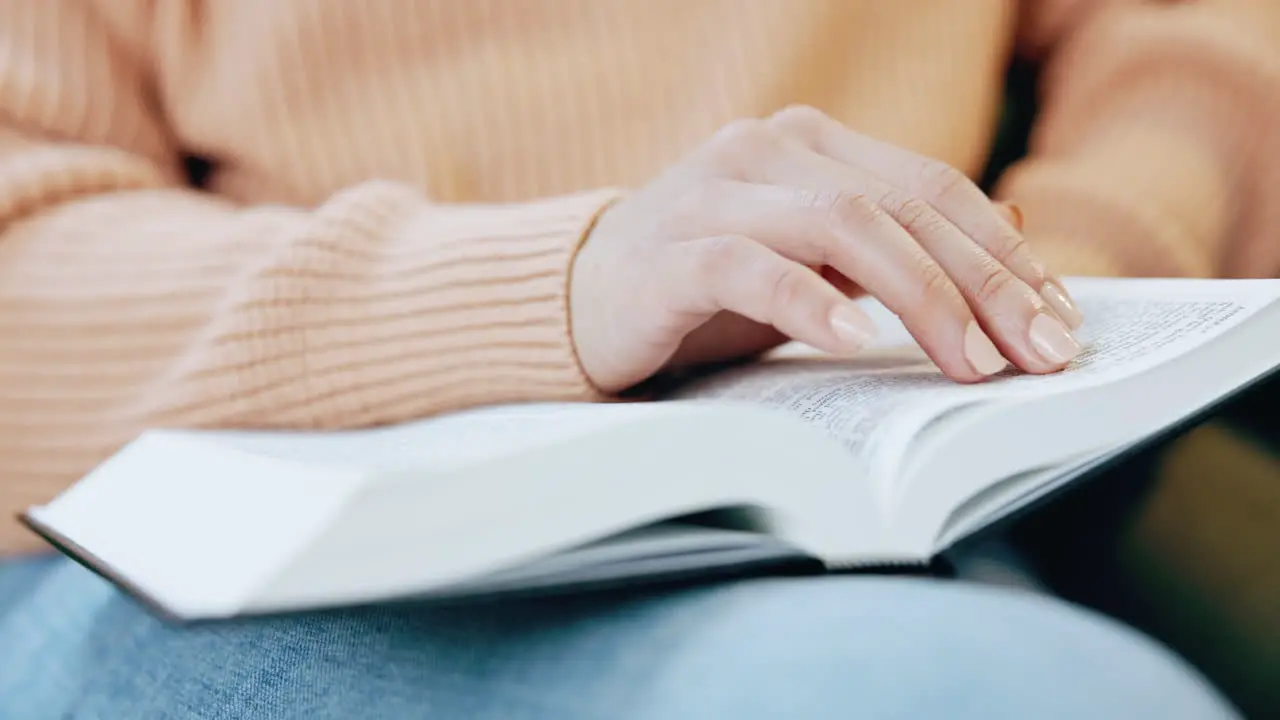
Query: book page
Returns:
{"type": "Point", "coordinates": [856, 401]}
{"type": "Point", "coordinates": [873, 404]}
{"type": "Point", "coordinates": [441, 442]}
{"type": "Point", "coordinates": [1133, 325]}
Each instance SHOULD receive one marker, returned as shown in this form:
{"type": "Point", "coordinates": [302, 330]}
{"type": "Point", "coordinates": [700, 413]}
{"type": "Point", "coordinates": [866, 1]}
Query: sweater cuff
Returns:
{"type": "Point", "coordinates": [403, 309]}
{"type": "Point", "coordinates": [493, 296]}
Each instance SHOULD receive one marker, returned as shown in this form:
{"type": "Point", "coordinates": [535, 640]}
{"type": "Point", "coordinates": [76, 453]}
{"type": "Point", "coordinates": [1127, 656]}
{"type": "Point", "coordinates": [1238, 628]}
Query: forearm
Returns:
{"type": "Point", "coordinates": [1153, 127]}
{"type": "Point", "coordinates": [148, 308]}
{"type": "Point", "coordinates": [129, 301]}
{"type": "Point", "coordinates": [1136, 202]}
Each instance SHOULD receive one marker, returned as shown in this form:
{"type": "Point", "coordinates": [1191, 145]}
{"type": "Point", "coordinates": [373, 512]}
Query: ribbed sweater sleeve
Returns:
{"type": "Point", "coordinates": [128, 301]}
{"type": "Point", "coordinates": [1155, 151]}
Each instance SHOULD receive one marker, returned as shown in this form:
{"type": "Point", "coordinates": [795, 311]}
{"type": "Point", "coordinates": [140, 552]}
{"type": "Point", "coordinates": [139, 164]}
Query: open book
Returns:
{"type": "Point", "coordinates": [800, 457]}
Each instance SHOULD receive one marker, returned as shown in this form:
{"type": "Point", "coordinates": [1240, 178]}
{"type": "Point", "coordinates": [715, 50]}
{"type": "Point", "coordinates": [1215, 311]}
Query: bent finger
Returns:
{"type": "Point", "coordinates": [947, 189]}
{"type": "Point", "coordinates": [875, 248]}
{"type": "Point", "coordinates": [1011, 313]}
{"type": "Point", "coordinates": [740, 275]}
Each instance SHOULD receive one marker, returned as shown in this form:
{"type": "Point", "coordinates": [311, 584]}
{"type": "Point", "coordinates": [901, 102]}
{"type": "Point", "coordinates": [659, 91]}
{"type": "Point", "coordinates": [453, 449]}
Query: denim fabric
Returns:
{"type": "Point", "coordinates": [838, 647]}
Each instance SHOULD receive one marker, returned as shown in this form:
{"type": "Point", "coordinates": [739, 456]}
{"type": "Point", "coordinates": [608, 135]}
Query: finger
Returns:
{"type": "Point", "coordinates": [954, 195]}
{"type": "Point", "coordinates": [861, 241]}
{"type": "Point", "coordinates": [1053, 291]}
{"type": "Point", "coordinates": [848, 232]}
{"type": "Point", "coordinates": [1009, 311]}
{"type": "Point", "coordinates": [788, 220]}
{"type": "Point", "coordinates": [738, 274]}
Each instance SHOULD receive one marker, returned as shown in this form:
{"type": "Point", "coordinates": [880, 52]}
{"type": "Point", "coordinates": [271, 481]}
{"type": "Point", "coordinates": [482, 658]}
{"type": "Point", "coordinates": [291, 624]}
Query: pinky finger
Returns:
{"type": "Point", "coordinates": [738, 274]}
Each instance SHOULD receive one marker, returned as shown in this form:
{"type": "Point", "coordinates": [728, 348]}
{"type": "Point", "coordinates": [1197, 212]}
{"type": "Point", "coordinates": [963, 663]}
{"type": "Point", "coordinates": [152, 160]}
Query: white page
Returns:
{"type": "Point", "coordinates": [1133, 325]}
{"type": "Point", "coordinates": [854, 401]}
{"type": "Point", "coordinates": [876, 403]}
{"type": "Point", "coordinates": [872, 404]}
{"type": "Point", "coordinates": [442, 442]}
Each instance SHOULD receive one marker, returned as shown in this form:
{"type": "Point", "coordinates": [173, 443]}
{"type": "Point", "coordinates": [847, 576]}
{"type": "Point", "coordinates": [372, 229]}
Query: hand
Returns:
{"type": "Point", "coordinates": [765, 231]}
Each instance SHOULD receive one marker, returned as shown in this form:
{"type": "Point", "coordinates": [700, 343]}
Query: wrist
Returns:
{"type": "Point", "coordinates": [586, 297]}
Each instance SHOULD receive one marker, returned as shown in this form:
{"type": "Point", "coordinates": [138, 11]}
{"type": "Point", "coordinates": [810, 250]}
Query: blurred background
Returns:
{"type": "Point", "coordinates": [1183, 541]}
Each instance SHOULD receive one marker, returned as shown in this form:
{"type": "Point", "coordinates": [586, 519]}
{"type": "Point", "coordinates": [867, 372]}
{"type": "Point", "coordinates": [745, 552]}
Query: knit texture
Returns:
{"type": "Point", "coordinates": [396, 189]}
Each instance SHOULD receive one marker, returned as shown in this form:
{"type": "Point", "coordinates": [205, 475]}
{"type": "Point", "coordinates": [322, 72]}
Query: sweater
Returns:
{"type": "Point", "coordinates": [317, 214]}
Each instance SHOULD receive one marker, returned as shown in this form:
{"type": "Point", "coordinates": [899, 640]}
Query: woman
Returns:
{"type": "Point", "coordinates": [325, 214]}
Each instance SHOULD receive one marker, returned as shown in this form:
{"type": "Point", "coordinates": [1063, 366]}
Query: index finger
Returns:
{"type": "Point", "coordinates": [948, 190]}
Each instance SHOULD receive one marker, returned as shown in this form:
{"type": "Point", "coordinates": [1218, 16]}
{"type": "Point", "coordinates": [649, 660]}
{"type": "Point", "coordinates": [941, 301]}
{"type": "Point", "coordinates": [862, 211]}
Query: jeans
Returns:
{"type": "Point", "coordinates": [829, 647]}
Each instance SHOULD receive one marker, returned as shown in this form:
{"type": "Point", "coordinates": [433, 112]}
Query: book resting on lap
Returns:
{"type": "Point", "coordinates": [874, 461]}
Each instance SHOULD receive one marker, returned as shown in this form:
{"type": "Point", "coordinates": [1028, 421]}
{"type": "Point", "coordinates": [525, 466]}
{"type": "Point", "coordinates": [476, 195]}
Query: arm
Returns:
{"type": "Point", "coordinates": [1155, 151]}
{"type": "Point", "coordinates": [129, 301]}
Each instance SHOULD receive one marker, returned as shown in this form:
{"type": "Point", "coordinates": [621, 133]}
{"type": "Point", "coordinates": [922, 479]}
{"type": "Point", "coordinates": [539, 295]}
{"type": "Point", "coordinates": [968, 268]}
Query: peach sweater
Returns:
{"type": "Point", "coordinates": [396, 188]}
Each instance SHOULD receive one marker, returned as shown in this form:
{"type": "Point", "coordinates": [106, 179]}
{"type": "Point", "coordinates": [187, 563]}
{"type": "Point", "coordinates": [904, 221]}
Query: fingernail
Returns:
{"type": "Point", "coordinates": [1061, 304]}
{"type": "Point", "coordinates": [981, 352]}
{"type": "Point", "coordinates": [852, 326]}
{"type": "Point", "coordinates": [1053, 340]}
{"type": "Point", "coordinates": [1012, 213]}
